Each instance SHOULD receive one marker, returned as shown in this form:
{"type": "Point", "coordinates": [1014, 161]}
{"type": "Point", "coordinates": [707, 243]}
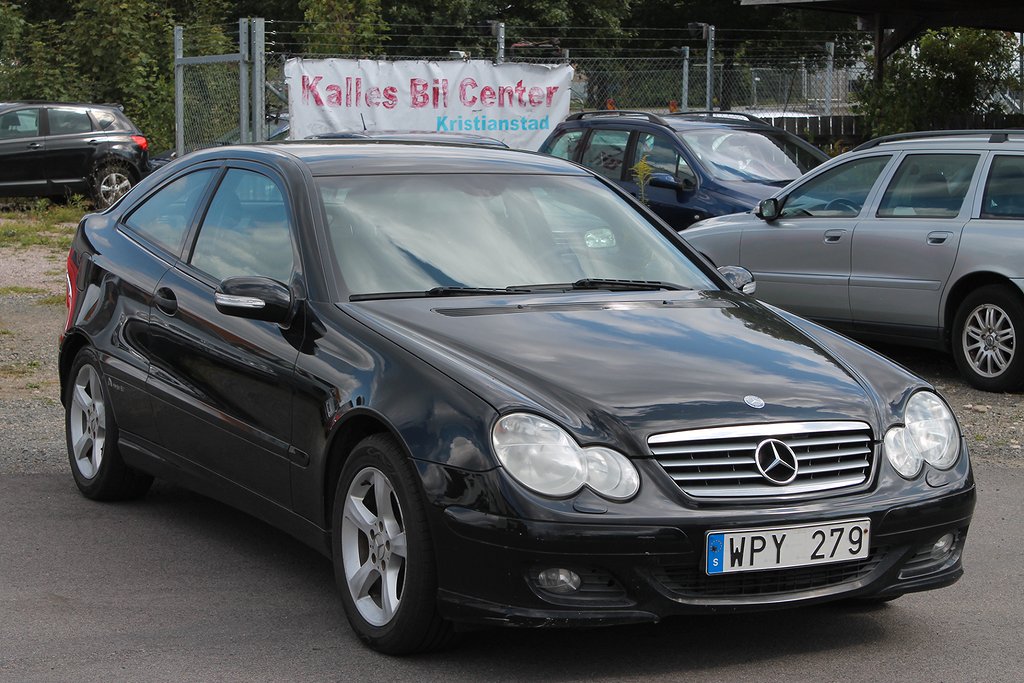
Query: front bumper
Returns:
{"type": "Point", "coordinates": [642, 572]}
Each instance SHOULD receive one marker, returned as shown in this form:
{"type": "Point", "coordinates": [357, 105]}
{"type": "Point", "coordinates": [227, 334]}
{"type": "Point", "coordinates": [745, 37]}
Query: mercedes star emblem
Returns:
{"type": "Point", "coordinates": [754, 401]}
{"type": "Point", "coordinates": [776, 461]}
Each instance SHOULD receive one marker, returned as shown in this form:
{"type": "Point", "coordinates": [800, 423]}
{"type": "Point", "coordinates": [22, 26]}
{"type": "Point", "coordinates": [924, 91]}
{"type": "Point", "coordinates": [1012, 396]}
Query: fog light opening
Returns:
{"type": "Point", "coordinates": [558, 580]}
{"type": "Point", "coordinates": [943, 547]}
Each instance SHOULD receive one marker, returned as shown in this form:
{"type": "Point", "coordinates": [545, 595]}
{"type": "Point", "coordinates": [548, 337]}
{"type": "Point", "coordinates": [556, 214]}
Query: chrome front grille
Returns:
{"type": "Point", "coordinates": [720, 462]}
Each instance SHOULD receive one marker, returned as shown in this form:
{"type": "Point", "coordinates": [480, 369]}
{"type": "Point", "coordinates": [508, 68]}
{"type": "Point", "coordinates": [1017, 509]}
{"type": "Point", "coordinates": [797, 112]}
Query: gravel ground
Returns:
{"type": "Point", "coordinates": [32, 423]}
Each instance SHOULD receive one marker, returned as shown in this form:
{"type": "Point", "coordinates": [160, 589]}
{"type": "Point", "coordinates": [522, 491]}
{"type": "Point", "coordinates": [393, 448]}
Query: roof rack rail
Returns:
{"type": "Point", "coordinates": [625, 113]}
{"type": "Point", "coordinates": [710, 114]}
{"type": "Point", "coordinates": [994, 136]}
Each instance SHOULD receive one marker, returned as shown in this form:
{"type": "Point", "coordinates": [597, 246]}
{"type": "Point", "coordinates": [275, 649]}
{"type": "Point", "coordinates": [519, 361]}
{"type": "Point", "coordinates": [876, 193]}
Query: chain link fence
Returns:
{"type": "Point", "coordinates": [213, 110]}
{"type": "Point", "coordinates": [212, 106]}
{"type": "Point", "coordinates": [660, 85]}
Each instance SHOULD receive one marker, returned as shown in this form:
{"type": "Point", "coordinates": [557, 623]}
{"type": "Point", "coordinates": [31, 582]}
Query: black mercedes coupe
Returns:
{"type": "Point", "coordinates": [494, 389]}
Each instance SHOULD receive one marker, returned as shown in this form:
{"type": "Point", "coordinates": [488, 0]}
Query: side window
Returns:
{"type": "Point", "coordinates": [839, 192]}
{"type": "Point", "coordinates": [22, 123]}
{"type": "Point", "coordinates": [606, 152]}
{"type": "Point", "coordinates": [662, 156]}
{"type": "Point", "coordinates": [566, 144]}
{"type": "Point", "coordinates": [929, 186]}
{"type": "Point", "coordinates": [246, 230]}
{"type": "Point", "coordinates": [105, 120]}
{"type": "Point", "coordinates": [68, 121]}
{"type": "Point", "coordinates": [164, 218]}
{"type": "Point", "coordinates": [1004, 191]}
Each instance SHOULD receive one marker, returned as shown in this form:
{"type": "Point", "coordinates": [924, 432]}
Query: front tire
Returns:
{"type": "Point", "coordinates": [91, 434]}
{"type": "Point", "coordinates": [382, 551]}
{"type": "Point", "coordinates": [985, 334]}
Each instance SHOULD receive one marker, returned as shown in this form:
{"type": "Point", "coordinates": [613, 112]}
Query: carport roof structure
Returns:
{"type": "Point", "coordinates": [897, 23]}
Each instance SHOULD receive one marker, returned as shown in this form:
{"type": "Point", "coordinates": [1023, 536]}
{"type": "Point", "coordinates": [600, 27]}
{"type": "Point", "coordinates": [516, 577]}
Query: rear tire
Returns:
{"type": "Point", "coordinates": [91, 433]}
{"type": "Point", "coordinates": [110, 181]}
{"type": "Point", "coordinates": [383, 554]}
{"type": "Point", "coordinates": [985, 334]}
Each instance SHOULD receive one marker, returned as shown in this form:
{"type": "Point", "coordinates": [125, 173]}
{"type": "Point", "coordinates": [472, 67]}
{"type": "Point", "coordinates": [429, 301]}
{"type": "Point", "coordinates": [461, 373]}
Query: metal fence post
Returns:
{"type": "Point", "coordinates": [803, 79]}
{"type": "Point", "coordinates": [259, 80]}
{"type": "Point", "coordinates": [244, 132]}
{"type": "Point", "coordinates": [501, 42]}
{"type": "Point", "coordinates": [179, 91]}
{"type": "Point", "coordinates": [830, 49]}
{"type": "Point", "coordinates": [711, 70]}
{"type": "Point", "coordinates": [684, 104]}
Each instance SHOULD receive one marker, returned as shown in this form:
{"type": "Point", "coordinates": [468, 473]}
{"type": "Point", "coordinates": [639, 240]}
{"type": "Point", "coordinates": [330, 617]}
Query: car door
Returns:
{"type": "Point", "coordinates": [71, 146]}
{"type": "Point", "coordinates": [802, 259]}
{"type": "Point", "coordinates": [223, 384]}
{"type": "Point", "coordinates": [149, 240]}
{"type": "Point", "coordinates": [22, 145]}
{"type": "Point", "coordinates": [678, 206]}
{"type": "Point", "coordinates": [605, 152]}
{"type": "Point", "coordinates": [904, 252]}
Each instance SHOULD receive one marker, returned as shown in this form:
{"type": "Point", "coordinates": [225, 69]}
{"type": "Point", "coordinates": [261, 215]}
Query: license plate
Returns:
{"type": "Point", "coordinates": [803, 545]}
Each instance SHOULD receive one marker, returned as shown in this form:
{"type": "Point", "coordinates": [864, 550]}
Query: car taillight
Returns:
{"type": "Point", "coordinates": [72, 291]}
{"type": "Point", "coordinates": [141, 141]}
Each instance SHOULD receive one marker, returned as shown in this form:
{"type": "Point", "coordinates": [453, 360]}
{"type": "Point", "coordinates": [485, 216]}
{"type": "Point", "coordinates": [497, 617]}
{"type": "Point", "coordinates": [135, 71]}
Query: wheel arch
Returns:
{"type": "Point", "coordinates": [123, 161]}
{"type": "Point", "coordinates": [73, 343]}
{"type": "Point", "coordinates": [348, 433]}
{"type": "Point", "coordinates": [963, 287]}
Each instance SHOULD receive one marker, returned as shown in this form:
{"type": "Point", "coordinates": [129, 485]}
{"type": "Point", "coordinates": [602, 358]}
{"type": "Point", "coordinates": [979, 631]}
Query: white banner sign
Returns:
{"type": "Point", "coordinates": [516, 103]}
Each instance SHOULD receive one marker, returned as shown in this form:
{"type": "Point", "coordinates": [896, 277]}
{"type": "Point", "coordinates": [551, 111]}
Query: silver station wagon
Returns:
{"type": "Point", "coordinates": [914, 239]}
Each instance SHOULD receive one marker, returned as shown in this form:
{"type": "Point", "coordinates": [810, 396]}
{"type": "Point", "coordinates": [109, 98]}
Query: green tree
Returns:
{"type": "Point", "coordinates": [342, 27]}
{"type": "Point", "coordinates": [940, 80]}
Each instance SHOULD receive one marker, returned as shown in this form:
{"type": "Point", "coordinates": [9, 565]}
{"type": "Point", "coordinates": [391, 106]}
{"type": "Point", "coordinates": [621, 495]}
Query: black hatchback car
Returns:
{"type": "Point", "coordinates": [704, 163]}
{"type": "Point", "coordinates": [493, 389]}
{"type": "Point", "coordinates": [61, 148]}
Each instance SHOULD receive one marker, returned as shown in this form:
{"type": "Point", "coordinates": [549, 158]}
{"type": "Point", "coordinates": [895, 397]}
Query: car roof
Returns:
{"type": "Point", "coordinates": [676, 121]}
{"type": "Point", "coordinates": [975, 140]}
{"type": "Point", "coordinates": [411, 135]}
{"type": "Point", "coordinates": [49, 103]}
{"type": "Point", "coordinates": [396, 157]}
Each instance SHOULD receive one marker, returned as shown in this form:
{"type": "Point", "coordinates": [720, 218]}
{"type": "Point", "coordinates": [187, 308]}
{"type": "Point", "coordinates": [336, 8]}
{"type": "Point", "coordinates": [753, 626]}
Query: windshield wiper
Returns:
{"type": "Point", "coordinates": [441, 290]}
{"type": "Point", "coordinates": [623, 285]}
{"type": "Point", "coordinates": [590, 283]}
{"type": "Point", "coordinates": [456, 290]}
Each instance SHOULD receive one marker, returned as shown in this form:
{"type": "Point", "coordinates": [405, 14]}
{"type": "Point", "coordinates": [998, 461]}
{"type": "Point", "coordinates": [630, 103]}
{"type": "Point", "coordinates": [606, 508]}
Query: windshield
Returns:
{"type": "Point", "coordinates": [416, 233]}
{"type": "Point", "coordinates": [764, 157]}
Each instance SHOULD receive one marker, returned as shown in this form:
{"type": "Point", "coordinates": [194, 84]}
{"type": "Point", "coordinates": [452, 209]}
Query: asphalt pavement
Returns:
{"type": "Point", "coordinates": [176, 587]}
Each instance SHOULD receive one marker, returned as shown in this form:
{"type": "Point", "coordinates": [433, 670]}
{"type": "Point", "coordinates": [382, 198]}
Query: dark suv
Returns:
{"type": "Point", "coordinates": [57, 148]}
{"type": "Point", "coordinates": [705, 163]}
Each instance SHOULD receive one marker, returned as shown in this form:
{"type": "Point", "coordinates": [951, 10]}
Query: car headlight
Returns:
{"type": "Point", "coordinates": [544, 458]}
{"type": "Point", "coordinates": [929, 435]}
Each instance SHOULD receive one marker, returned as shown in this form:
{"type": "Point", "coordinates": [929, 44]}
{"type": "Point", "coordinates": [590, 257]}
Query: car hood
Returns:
{"type": "Point", "coordinates": [748, 192]}
{"type": "Point", "coordinates": [623, 366]}
{"type": "Point", "coordinates": [729, 220]}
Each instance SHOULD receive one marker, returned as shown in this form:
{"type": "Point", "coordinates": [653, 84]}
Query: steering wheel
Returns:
{"type": "Point", "coordinates": [841, 203]}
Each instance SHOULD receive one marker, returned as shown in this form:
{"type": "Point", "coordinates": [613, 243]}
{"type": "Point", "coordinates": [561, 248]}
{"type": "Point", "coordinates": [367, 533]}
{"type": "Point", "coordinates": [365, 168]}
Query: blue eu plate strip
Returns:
{"type": "Point", "coordinates": [716, 553]}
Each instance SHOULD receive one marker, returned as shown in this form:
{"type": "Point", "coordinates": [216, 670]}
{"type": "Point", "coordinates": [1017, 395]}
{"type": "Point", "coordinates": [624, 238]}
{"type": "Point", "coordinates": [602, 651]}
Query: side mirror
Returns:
{"type": "Point", "coordinates": [255, 298]}
{"type": "Point", "coordinates": [665, 180]}
{"type": "Point", "coordinates": [739, 277]}
{"type": "Point", "coordinates": [769, 209]}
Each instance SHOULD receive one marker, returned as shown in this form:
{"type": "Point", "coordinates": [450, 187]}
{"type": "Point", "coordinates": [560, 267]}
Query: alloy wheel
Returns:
{"type": "Point", "coordinates": [989, 340]}
{"type": "Point", "coordinates": [373, 546]}
{"type": "Point", "coordinates": [113, 185]}
{"type": "Point", "coordinates": [88, 422]}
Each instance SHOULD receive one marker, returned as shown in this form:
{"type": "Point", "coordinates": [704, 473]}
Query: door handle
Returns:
{"type": "Point", "coordinates": [94, 142]}
{"type": "Point", "coordinates": [35, 145]}
{"type": "Point", "coordinates": [938, 237]}
{"type": "Point", "coordinates": [165, 300]}
{"type": "Point", "coordinates": [833, 236]}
